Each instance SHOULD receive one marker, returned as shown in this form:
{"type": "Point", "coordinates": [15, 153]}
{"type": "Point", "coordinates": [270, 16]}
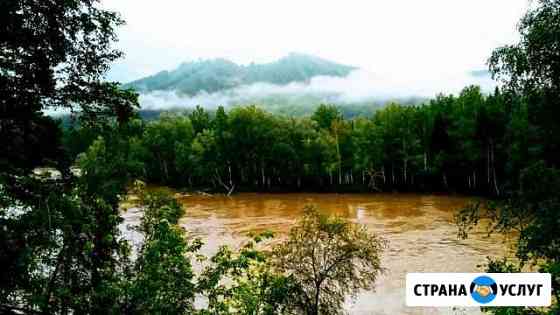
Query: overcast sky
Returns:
{"type": "Point", "coordinates": [391, 38]}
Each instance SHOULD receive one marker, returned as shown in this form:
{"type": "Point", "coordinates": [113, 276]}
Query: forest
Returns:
{"type": "Point", "coordinates": [471, 143]}
{"type": "Point", "coordinates": [61, 249]}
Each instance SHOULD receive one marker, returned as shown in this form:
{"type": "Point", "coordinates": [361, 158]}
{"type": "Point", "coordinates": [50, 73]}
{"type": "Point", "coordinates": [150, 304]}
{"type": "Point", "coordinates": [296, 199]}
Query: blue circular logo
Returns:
{"type": "Point", "coordinates": [484, 289]}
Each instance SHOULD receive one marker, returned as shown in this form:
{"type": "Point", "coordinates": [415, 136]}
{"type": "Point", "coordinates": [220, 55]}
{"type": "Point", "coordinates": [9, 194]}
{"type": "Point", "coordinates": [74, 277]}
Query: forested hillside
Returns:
{"type": "Point", "coordinates": [220, 74]}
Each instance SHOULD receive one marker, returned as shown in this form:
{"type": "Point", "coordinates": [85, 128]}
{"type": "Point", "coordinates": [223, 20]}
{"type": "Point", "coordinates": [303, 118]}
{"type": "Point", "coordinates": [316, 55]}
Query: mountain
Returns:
{"type": "Point", "coordinates": [293, 85]}
{"type": "Point", "coordinates": [217, 75]}
{"type": "Point", "coordinates": [482, 73]}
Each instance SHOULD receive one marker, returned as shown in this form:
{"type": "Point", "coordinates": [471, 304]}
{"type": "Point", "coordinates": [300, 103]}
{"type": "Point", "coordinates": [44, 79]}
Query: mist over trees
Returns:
{"type": "Point", "coordinates": [293, 85]}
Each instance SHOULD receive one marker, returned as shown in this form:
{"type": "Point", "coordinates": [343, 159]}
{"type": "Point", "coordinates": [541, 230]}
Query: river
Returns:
{"type": "Point", "coordinates": [419, 229]}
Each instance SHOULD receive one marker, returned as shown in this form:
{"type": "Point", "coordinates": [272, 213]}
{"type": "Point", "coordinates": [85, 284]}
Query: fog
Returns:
{"type": "Point", "coordinates": [360, 86]}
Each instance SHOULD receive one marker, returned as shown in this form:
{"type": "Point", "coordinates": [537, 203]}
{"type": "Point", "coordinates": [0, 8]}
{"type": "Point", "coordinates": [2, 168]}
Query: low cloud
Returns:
{"type": "Point", "coordinates": [359, 86]}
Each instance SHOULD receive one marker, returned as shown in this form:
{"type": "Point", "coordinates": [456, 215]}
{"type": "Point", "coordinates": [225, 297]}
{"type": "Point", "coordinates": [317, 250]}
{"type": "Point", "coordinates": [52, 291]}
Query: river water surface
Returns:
{"type": "Point", "coordinates": [419, 229]}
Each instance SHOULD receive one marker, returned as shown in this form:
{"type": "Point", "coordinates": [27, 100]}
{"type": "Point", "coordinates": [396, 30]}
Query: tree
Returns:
{"type": "Point", "coordinates": [104, 175]}
{"type": "Point", "coordinates": [253, 286]}
{"type": "Point", "coordinates": [251, 136]}
{"type": "Point", "coordinates": [209, 165]}
{"type": "Point", "coordinates": [168, 139]}
{"type": "Point", "coordinates": [532, 213]}
{"type": "Point", "coordinates": [325, 115]}
{"type": "Point", "coordinates": [53, 56]}
{"type": "Point", "coordinates": [368, 153]}
{"type": "Point", "coordinates": [530, 71]}
{"type": "Point", "coordinates": [163, 279]}
{"type": "Point", "coordinates": [441, 147]}
{"type": "Point", "coordinates": [200, 119]}
{"type": "Point", "coordinates": [61, 250]}
{"type": "Point", "coordinates": [490, 129]}
{"type": "Point", "coordinates": [533, 63]}
{"type": "Point", "coordinates": [399, 141]}
{"type": "Point", "coordinates": [328, 258]}
{"type": "Point", "coordinates": [323, 260]}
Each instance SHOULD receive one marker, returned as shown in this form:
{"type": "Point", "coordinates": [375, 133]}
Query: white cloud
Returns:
{"type": "Point", "coordinates": [390, 38]}
{"type": "Point", "coordinates": [358, 86]}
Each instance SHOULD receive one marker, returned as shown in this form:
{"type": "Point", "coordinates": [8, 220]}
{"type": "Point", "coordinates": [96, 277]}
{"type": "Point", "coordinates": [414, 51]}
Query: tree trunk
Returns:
{"type": "Point", "coordinates": [494, 170]}
{"type": "Point", "coordinates": [315, 310]}
{"type": "Point", "coordinates": [488, 164]}
{"type": "Point", "coordinates": [165, 170]}
{"type": "Point", "coordinates": [405, 160]}
{"type": "Point", "coordinates": [230, 178]}
{"type": "Point", "coordinates": [339, 157]}
{"type": "Point", "coordinates": [405, 170]}
{"type": "Point", "coordinates": [262, 175]}
{"type": "Point", "coordinates": [229, 188]}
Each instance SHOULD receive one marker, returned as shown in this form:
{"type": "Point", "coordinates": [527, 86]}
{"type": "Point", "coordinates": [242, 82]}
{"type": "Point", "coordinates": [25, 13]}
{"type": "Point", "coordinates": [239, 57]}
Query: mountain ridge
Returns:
{"type": "Point", "coordinates": [214, 75]}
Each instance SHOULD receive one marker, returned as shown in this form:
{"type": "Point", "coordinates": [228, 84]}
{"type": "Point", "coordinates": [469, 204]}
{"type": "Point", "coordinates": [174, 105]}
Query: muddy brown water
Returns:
{"type": "Point", "coordinates": [420, 231]}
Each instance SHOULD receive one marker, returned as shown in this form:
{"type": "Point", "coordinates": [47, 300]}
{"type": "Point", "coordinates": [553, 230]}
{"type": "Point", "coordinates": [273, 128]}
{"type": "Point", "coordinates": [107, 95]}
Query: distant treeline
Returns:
{"type": "Point", "coordinates": [285, 106]}
{"type": "Point", "coordinates": [470, 143]}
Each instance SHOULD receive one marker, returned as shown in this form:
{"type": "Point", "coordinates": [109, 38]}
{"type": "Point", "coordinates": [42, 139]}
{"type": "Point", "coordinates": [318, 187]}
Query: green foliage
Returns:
{"type": "Point", "coordinates": [164, 140]}
{"type": "Point", "coordinates": [65, 245]}
{"type": "Point", "coordinates": [325, 115]}
{"type": "Point", "coordinates": [61, 251]}
{"type": "Point", "coordinates": [530, 71]}
{"type": "Point", "coordinates": [54, 57]}
{"type": "Point", "coordinates": [328, 258]}
{"type": "Point", "coordinates": [532, 212]}
{"type": "Point", "coordinates": [162, 279]}
{"type": "Point", "coordinates": [200, 119]}
{"type": "Point", "coordinates": [533, 62]}
{"type": "Point", "coordinates": [159, 206]}
{"type": "Point", "coordinates": [245, 282]}
{"type": "Point", "coordinates": [470, 143]}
